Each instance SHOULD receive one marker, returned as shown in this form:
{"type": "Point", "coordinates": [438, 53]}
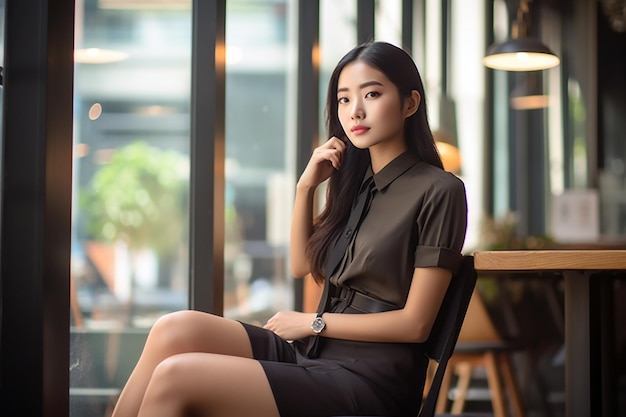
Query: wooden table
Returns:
{"type": "Point", "coordinates": [589, 389]}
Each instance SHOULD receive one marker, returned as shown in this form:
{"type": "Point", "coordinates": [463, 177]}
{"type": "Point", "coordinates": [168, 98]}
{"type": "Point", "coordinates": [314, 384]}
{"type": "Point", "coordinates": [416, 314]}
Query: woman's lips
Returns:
{"type": "Point", "coordinates": [358, 129]}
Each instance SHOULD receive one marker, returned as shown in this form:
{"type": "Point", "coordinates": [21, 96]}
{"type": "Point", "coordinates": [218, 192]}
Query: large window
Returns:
{"type": "Point", "coordinates": [130, 194]}
{"type": "Point", "coordinates": [130, 254]}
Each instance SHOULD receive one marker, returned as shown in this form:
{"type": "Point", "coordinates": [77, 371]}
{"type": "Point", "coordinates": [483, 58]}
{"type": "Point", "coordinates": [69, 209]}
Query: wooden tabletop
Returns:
{"type": "Point", "coordinates": [550, 260]}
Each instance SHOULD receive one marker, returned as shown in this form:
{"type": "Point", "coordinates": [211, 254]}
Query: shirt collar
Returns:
{"type": "Point", "coordinates": [392, 170]}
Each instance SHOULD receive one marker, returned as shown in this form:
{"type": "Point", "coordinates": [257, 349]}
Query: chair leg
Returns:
{"type": "Point", "coordinates": [430, 375]}
{"type": "Point", "coordinates": [511, 384]}
{"type": "Point", "coordinates": [493, 379]}
{"type": "Point", "coordinates": [464, 370]}
{"type": "Point", "coordinates": [444, 389]}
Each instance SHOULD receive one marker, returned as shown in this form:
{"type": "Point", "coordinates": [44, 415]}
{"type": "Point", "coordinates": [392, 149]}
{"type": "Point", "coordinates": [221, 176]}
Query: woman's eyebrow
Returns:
{"type": "Point", "coordinates": [362, 86]}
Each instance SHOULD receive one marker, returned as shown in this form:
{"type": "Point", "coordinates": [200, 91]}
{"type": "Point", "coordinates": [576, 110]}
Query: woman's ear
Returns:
{"type": "Point", "coordinates": [412, 103]}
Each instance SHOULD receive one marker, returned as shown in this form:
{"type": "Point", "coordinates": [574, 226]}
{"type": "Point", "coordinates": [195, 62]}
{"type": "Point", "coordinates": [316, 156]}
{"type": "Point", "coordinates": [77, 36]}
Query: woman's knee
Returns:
{"type": "Point", "coordinates": [194, 331]}
{"type": "Point", "coordinates": [174, 320]}
{"type": "Point", "coordinates": [173, 331]}
{"type": "Point", "coordinates": [168, 381]}
{"type": "Point", "coordinates": [183, 380]}
{"type": "Point", "coordinates": [172, 372]}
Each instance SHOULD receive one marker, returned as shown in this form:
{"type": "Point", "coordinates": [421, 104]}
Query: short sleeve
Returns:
{"type": "Point", "coordinates": [442, 224]}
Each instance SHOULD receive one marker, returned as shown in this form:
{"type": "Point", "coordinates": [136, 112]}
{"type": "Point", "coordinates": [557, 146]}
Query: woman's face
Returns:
{"type": "Point", "coordinates": [370, 109]}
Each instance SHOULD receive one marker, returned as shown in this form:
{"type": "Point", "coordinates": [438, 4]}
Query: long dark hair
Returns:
{"type": "Point", "coordinates": [399, 68]}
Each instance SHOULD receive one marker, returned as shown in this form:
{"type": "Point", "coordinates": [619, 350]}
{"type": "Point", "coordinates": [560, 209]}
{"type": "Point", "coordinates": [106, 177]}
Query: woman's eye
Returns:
{"type": "Point", "coordinates": [372, 94]}
{"type": "Point", "coordinates": [342, 100]}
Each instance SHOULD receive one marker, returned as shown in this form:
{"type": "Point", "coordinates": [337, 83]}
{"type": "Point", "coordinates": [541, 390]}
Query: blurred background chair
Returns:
{"type": "Point", "coordinates": [481, 347]}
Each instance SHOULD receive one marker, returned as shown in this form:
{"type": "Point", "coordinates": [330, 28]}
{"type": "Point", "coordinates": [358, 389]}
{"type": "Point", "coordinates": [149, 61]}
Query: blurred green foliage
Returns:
{"type": "Point", "coordinates": [139, 197]}
{"type": "Point", "coordinates": [501, 234]}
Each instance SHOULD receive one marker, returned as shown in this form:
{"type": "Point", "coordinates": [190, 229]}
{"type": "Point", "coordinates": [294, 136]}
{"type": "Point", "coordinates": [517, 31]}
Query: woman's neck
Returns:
{"type": "Point", "coordinates": [380, 156]}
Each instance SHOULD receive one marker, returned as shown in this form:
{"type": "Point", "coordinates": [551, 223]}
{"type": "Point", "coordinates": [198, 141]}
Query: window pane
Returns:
{"type": "Point", "coordinates": [388, 21]}
{"type": "Point", "coordinates": [260, 143]}
{"type": "Point", "coordinates": [131, 169]}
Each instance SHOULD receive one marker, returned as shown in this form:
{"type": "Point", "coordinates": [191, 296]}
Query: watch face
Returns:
{"type": "Point", "coordinates": [318, 325]}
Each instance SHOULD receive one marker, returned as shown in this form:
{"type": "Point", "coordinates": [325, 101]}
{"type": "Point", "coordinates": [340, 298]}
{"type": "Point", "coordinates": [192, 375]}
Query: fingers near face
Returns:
{"type": "Point", "coordinates": [336, 149]}
{"type": "Point", "coordinates": [335, 141]}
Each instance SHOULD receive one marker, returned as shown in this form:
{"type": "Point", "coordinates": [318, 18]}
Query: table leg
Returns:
{"type": "Point", "coordinates": [585, 392]}
{"type": "Point", "coordinates": [604, 333]}
{"type": "Point", "coordinates": [577, 348]}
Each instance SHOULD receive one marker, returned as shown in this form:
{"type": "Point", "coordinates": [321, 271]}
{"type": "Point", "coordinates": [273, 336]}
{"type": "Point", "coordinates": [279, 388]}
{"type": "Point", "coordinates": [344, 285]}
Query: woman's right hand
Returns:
{"type": "Point", "coordinates": [324, 160]}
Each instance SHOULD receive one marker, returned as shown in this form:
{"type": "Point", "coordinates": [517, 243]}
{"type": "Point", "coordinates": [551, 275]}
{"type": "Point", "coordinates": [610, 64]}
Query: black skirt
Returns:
{"type": "Point", "coordinates": [346, 378]}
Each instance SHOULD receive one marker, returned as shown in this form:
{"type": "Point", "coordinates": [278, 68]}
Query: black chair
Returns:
{"type": "Point", "coordinates": [445, 331]}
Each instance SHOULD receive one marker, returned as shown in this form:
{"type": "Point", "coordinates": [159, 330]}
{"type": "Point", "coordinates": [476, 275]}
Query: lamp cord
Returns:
{"type": "Point", "coordinates": [520, 25]}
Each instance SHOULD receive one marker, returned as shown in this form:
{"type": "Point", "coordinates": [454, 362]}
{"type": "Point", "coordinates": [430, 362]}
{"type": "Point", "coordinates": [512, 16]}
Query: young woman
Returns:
{"type": "Point", "coordinates": [361, 355]}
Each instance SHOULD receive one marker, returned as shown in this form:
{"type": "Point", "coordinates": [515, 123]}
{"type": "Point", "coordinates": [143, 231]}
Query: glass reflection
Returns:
{"type": "Point", "coordinates": [259, 141]}
{"type": "Point", "coordinates": [131, 180]}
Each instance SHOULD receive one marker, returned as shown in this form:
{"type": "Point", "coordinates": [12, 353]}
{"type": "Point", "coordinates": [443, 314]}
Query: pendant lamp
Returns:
{"type": "Point", "coordinates": [520, 53]}
{"type": "Point", "coordinates": [449, 154]}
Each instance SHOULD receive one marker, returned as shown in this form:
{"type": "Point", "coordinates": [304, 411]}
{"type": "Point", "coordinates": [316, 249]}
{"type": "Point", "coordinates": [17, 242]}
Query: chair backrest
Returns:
{"type": "Point", "coordinates": [478, 326]}
{"type": "Point", "coordinates": [445, 331]}
{"type": "Point", "coordinates": [447, 326]}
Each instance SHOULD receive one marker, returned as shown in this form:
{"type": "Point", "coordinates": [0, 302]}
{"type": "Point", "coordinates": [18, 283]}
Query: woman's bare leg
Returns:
{"type": "Point", "coordinates": [205, 384]}
{"type": "Point", "coordinates": [176, 333]}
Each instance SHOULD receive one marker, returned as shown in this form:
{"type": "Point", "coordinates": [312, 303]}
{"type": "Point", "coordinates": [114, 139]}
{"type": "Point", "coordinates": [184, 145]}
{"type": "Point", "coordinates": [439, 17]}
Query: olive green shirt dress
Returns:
{"type": "Point", "coordinates": [417, 218]}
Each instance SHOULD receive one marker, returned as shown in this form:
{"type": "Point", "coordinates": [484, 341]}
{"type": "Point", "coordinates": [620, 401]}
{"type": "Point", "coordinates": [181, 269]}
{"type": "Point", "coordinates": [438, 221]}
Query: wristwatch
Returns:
{"type": "Point", "coordinates": [318, 324]}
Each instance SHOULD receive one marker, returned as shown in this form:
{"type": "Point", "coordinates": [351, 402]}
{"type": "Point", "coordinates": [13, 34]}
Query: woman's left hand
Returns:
{"type": "Point", "coordinates": [291, 325]}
